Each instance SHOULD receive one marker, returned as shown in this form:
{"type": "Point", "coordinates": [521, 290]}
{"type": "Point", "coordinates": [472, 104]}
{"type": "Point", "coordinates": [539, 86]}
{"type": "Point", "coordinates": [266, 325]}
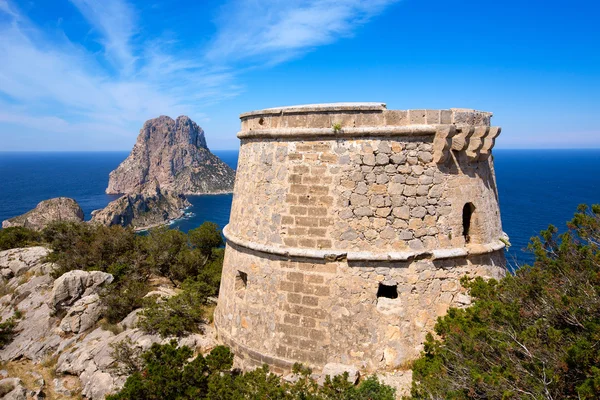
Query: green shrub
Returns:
{"type": "Point", "coordinates": [122, 297]}
{"type": "Point", "coordinates": [7, 328]}
{"type": "Point", "coordinates": [178, 315]}
{"type": "Point", "coordinates": [14, 237]}
{"type": "Point", "coordinates": [177, 256]}
{"type": "Point", "coordinates": [90, 246]}
{"type": "Point", "coordinates": [205, 238]}
{"type": "Point", "coordinates": [168, 372]}
{"type": "Point", "coordinates": [532, 335]}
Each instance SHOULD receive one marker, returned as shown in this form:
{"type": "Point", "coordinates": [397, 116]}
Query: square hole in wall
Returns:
{"type": "Point", "coordinates": [387, 291]}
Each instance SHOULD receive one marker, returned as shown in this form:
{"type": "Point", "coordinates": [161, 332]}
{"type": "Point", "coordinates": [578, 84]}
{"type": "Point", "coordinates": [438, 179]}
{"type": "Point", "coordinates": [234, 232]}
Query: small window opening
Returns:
{"type": "Point", "coordinates": [241, 282]}
{"type": "Point", "coordinates": [467, 216]}
{"type": "Point", "coordinates": [387, 291]}
{"type": "Point", "coordinates": [261, 121]}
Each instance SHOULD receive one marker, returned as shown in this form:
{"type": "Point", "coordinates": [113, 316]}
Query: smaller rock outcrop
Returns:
{"type": "Point", "coordinates": [151, 208]}
{"type": "Point", "coordinates": [46, 212]}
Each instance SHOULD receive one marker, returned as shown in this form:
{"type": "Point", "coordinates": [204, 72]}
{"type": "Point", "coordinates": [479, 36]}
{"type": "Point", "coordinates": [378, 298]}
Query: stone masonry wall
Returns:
{"type": "Point", "coordinates": [316, 312]}
{"type": "Point", "coordinates": [350, 229]}
{"type": "Point", "coordinates": [365, 195]}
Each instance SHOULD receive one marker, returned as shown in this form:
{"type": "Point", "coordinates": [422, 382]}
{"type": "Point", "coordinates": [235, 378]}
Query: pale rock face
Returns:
{"type": "Point", "coordinates": [83, 315]}
{"type": "Point", "coordinates": [15, 262]}
{"type": "Point", "coordinates": [334, 369]}
{"type": "Point", "coordinates": [73, 285]}
{"type": "Point", "coordinates": [46, 212]}
{"type": "Point", "coordinates": [172, 153]}
{"type": "Point", "coordinates": [154, 207]}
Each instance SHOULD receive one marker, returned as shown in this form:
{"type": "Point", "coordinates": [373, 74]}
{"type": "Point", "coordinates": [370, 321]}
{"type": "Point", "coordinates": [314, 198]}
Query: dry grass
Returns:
{"type": "Point", "coordinates": [21, 369]}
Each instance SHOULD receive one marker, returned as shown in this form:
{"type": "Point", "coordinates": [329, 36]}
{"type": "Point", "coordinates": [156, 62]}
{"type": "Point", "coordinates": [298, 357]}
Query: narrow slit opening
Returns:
{"type": "Point", "coordinates": [467, 217]}
{"type": "Point", "coordinates": [241, 281]}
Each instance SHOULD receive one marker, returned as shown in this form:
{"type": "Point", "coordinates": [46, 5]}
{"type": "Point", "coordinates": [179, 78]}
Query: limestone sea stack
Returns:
{"type": "Point", "coordinates": [46, 212]}
{"type": "Point", "coordinates": [153, 207]}
{"type": "Point", "coordinates": [174, 154]}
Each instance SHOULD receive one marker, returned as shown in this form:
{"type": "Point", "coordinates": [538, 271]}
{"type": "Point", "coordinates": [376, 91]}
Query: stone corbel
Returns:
{"type": "Point", "coordinates": [476, 142]}
{"type": "Point", "coordinates": [460, 140]}
{"type": "Point", "coordinates": [489, 141]}
{"type": "Point", "coordinates": [443, 142]}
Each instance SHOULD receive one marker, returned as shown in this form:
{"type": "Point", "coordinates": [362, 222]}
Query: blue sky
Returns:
{"type": "Point", "coordinates": [86, 74]}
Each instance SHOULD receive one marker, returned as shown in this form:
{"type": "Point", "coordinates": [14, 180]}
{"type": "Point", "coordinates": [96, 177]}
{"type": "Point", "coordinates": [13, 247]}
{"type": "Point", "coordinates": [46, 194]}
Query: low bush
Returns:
{"type": "Point", "coordinates": [168, 372]}
{"type": "Point", "coordinates": [91, 247]}
{"type": "Point", "coordinates": [122, 297]}
{"type": "Point", "coordinates": [7, 328]}
{"type": "Point", "coordinates": [178, 315]}
{"type": "Point", "coordinates": [11, 238]}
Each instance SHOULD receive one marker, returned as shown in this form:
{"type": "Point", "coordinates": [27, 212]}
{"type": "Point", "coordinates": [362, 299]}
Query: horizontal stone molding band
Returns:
{"type": "Point", "coordinates": [436, 254]}
{"type": "Point", "coordinates": [348, 132]}
{"type": "Point", "coordinates": [310, 108]}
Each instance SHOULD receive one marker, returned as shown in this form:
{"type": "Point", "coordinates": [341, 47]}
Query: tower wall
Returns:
{"type": "Point", "coordinates": [350, 229]}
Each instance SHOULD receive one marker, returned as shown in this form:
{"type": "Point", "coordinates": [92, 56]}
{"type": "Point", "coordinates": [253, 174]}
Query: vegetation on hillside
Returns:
{"type": "Point", "coordinates": [192, 262]}
{"type": "Point", "coordinates": [532, 335]}
{"type": "Point", "coordinates": [168, 372]}
{"type": "Point", "coordinates": [11, 238]}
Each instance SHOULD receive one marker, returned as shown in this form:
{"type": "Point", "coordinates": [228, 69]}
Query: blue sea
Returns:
{"type": "Point", "coordinates": [536, 187]}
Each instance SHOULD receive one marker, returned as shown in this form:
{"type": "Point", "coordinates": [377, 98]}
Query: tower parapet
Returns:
{"type": "Point", "coordinates": [350, 229]}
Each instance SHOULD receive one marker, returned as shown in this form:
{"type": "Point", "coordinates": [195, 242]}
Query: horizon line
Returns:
{"type": "Point", "coordinates": [237, 149]}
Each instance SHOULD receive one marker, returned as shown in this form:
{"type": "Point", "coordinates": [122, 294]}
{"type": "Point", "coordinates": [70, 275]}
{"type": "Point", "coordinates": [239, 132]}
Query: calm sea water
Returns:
{"type": "Point", "coordinates": [536, 187]}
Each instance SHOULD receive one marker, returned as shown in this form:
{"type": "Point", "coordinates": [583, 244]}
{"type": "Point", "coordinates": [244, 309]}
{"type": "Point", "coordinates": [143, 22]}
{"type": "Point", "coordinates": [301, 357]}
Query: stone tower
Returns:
{"type": "Point", "coordinates": [350, 229]}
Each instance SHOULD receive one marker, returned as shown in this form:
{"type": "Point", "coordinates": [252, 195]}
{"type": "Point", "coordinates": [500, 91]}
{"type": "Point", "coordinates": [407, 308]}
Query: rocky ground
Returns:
{"type": "Point", "coordinates": [61, 349]}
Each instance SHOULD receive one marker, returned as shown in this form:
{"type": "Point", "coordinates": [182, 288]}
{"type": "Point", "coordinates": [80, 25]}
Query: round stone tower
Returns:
{"type": "Point", "coordinates": [350, 229]}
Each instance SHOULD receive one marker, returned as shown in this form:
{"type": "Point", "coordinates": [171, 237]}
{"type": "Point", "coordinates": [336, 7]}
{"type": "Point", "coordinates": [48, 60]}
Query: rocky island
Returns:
{"type": "Point", "coordinates": [152, 208]}
{"type": "Point", "coordinates": [174, 154]}
{"type": "Point", "coordinates": [46, 212]}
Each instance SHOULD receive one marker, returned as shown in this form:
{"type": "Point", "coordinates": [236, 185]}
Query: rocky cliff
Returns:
{"type": "Point", "coordinates": [46, 212]}
{"type": "Point", "coordinates": [151, 208]}
{"type": "Point", "coordinates": [174, 154]}
{"type": "Point", "coordinates": [60, 349]}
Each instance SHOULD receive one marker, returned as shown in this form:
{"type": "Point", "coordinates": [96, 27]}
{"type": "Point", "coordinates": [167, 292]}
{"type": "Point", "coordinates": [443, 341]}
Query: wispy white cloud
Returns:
{"type": "Point", "coordinates": [272, 31]}
{"type": "Point", "coordinates": [115, 22]}
{"type": "Point", "coordinates": [54, 84]}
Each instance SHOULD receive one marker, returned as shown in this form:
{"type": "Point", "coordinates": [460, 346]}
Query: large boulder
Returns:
{"type": "Point", "coordinates": [82, 315]}
{"type": "Point", "coordinates": [46, 212]}
{"type": "Point", "coordinates": [172, 153]}
{"type": "Point", "coordinates": [154, 207]}
{"type": "Point", "coordinates": [73, 285]}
